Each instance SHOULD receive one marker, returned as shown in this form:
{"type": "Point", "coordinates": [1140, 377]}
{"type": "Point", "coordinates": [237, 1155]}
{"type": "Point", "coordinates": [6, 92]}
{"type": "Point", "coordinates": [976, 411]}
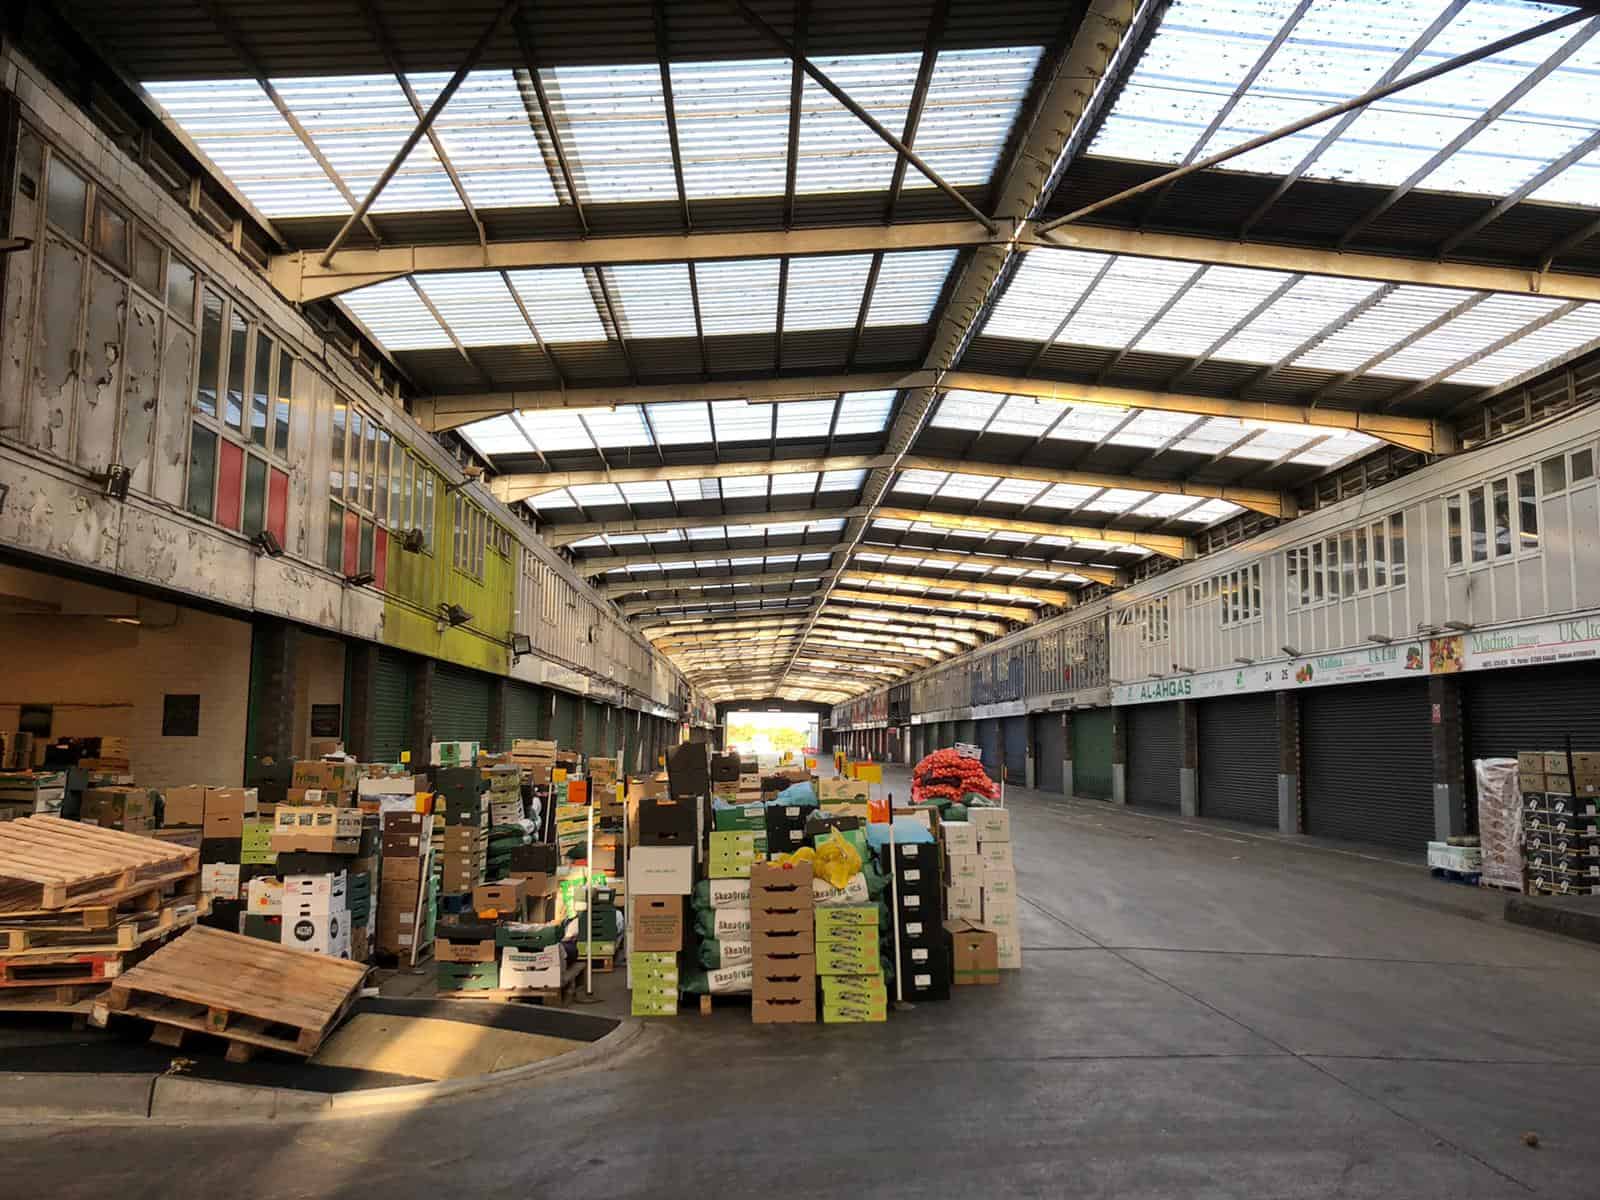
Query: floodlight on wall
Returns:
{"type": "Point", "coordinates": [114, 481]}
{"type": "Point", "coordinates": [361, 579]}
{"type": "Point", "coordinates": [454, 614]}
{"type": "Point", "coordinates": [1156, 675]}
{"type": "Point", "coordinates": [521, 644]}
{"type": "Point", "coordinates": [1290, 651]}
{"type": "Point", "coordinates": [413, 540]}
{"type": "Point", "coordinates": [1245, 662]}
{"type": "Point", "coordinates": [1382, 639]}
{"type": "Point", "coordinates": [1460, 626]}
{"type": "Point", "coordinates": [473, 473]}
{"type": "Point", "coordinates": [1184, 670]}
{"type": "Point", "coordinates": [266, 542]}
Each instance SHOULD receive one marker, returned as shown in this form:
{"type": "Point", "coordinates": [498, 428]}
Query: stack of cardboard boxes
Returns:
{"type": "Point", "coordinates": [326, 861]}
{"type": "Point", "coordinates": [848, 965]}
{"type": "Point", "coordinates": [992, 827]}
{"type": "Point", "coordinates": [25, 793]}
{"type": "Point", "coordinates": [654, 942]}
{"type": "Point", "coordinates": [460, 797]}
{"type": "Point", "coordinates": [404, 927]}
{"type": "Point", "coordinates": [783, 945]}
{"type": "Point", "coordinates": [917, 890]}
{"type": "Point", "coordinates": [505, 795]}
{"type": "Point", "coordinates": [454, 754]}
{"type": "Point", "coordinates": [660, 878]}
{"type": "Point", "coordinates": [224, 814]}
{"type": "Point", "coordinates": [492, 946]}
{"type": "Point", "coordinates": [963, 871]}
{"type": "Point", "coordinates": [130, 809]}
{"type": "Point", "coordinates": [1560, 822]}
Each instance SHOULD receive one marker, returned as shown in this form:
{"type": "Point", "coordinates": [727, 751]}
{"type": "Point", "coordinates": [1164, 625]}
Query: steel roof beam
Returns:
{"type": "Point", "coordinates": [565, 534]}
{"type": "Point", "coordinates": [1163, 544]}
{"type": "Point", "coordinates": [1057, 597]}
{"type": "Point", "coordinates": [945, 558]}
{"type": "Point", "coordinates": [953, 604]}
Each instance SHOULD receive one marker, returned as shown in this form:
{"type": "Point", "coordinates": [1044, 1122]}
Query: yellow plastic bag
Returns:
{"type": "Point", "coordinates": [803, 855]}
{"type": "Point", "coordinates": [837, 860]}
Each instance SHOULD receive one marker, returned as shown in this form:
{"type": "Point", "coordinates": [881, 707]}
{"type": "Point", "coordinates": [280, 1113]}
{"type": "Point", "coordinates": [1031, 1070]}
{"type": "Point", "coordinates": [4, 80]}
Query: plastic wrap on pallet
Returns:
{"type": "Point", "coordinates": [1499, 821]}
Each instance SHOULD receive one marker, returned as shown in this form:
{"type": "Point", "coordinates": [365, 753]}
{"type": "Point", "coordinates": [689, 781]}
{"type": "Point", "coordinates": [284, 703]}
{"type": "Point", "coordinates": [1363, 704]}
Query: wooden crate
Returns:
{"type": "Point", "coordinates": [128, 931]}
{"type": "Point", "coordinates": [47, 863]}
{"type": "Point", "coordinates": [252, 993]}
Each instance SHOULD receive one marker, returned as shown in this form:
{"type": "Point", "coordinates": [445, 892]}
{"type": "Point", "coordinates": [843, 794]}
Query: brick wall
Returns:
{"type": "Point", "coordinates": [109, 679]}
{"type": "Point", "coordinates": [318, 679]}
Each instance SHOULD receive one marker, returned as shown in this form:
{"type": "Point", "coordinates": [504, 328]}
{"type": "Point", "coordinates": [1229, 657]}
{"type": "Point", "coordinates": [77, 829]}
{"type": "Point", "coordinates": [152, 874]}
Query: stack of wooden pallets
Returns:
{"type": "Point", "coordinates": [79, 904]}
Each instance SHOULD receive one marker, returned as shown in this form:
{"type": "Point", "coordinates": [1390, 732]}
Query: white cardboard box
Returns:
{"type": "Point", "coordinates": [320, 933]}
{"type": "Point", "coordinates": [963, 868]}
{"type": "Point", "coordinates": [661, 870]}
{"type": "Point", "coordinates": [1000, 881]}
{"type": "Point", "coordinates": [1000, 914]}
{"type": "Point", "coordinates": [264, 896]}
{"type": "Point", "coordinates": [963, 900]}
{"type": "Point", "coordinates": [732, 923]}
{"type": "Point", "coordinates": [990, 824]}
{"type": "Point", "coordinates": [315, 893]}
{"type": "Point", "coordinates": [996, 854]}
{"type": "Point", "coordinates": [220, 880]}
{"type": "Point", "coordinates": [960, 837]}
{"type": "Point", "coordinates": [730, 893]}
{"type": "Point", "coordinates": [531, 968]}
{"type": "Point", "coordinates": [1010, 948]}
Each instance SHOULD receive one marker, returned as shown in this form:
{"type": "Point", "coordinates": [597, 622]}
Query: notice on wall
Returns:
{"type": "Point", "coordinates": [325, 721]}
{"type": "Point", "coordinates": [180, 715]}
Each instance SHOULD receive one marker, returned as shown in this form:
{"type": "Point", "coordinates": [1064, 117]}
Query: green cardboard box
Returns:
{"type": "Point", "coordinates": [654, 1001]}
{"type": "Point", "coordinates": [860, 989]}
{"type": "Point", "coordinates": [467, 977]}
{"type": "Point", "coordinates": [842, 919]}
{"type": "Point", "coordinates": [601, 949]}
{"type": "Point", "coordinates": [749, 817]}
{"type": "Point", "coordinates": [853, 1012]}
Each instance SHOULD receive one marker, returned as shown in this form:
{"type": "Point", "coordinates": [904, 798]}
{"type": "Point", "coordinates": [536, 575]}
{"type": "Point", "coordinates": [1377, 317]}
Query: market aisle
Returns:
{"type": "Point", "coordinates": [1202, 1011]}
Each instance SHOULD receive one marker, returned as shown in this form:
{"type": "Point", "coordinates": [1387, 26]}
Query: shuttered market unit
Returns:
{"type": "Point", "coordinates": [525, 707]}
{"type": "Point", "coordinates": [391, 714]}
{"type": "Point", "coordinates": [1367, 764]}
{"type": "Point", "coordinates": [1155, 755]}
{"type": "Point", "coordinates": [460, 704]}
{"type": "Point", "coordinates": [1530, 708]}
{"type": "Point", "coordinates": [595, 730]}
{"type": "Point", "coordinates": [1015, 732]}
{"type": "Point", "coordinates": [564, 721]}
{"type": "Point", "coordinates": [1050, 748]}
{"type": "Point", "coordinates": [964, 731]}
{"type": "Point", "coordinates": [1238, 744]}
{"type": "Point", "coordinates": [989, 744]}
{"type": "Point", "coordinates": [1091, 752]}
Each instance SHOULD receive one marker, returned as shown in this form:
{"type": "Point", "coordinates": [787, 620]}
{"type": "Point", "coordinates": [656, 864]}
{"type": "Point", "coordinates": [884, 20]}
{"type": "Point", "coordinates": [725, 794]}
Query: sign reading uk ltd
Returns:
{"type": "Point", "coordinates": [1534, 644]}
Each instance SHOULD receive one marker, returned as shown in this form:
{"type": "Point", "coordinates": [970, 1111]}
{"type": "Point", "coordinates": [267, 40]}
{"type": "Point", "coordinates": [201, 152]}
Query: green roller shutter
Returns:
{"type": "Point", "coordinates": [460, 705]}
{"type": "Point", "coordinates": [391, 714]}
{"type": "Point", "coordinates": [564, 724]}
{"type": "Point", "coordinates": [1091, 752]}
{"type": "Point", "coordinates": [525, 705]}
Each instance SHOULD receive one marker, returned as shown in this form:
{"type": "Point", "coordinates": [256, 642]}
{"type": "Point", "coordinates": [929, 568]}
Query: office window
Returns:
{"type": "Point", "coordinates": [1527, 511]}
{"type": "Point", "coordinates": [1397, 549]}
{"type": "Point", "coordinates": [1500, 491]}
{"type": "Point", "coordinates": [1452, 522]}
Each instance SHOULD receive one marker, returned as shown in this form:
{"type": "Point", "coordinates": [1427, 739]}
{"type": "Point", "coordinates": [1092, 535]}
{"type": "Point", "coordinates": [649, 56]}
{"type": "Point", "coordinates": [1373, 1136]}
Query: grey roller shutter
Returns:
{"type": "Point", "coordinates": [1155, 754]}
{"type": "Point", "coordinates": [1091, 752]}
{"type": "Point", "coordinates": [989, 744]}
{"type": "Point", "coordinates": [1367, 764]}
{"type": "Point", "coordinates": [564, 722]}
{"type": "Point", "coordinates": [1531, 708]}
{"type": "Point", "coordinates": [391, 716]}
{"type": "Point", "coordinates": [1239, 759]}
{"type": "Point", "coordinates": [1015, 732]}
{"type": "Point", "coordinates": [460, 704]}
{"type": "Point", "coordinates": [525, 705]}
{"type": "Point", "coordinates": [1051, 750]}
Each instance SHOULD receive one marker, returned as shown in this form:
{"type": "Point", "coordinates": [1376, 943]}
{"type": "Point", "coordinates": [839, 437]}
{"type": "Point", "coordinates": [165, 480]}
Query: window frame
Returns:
{"type": "Point", "coordinates": [1522, 493]}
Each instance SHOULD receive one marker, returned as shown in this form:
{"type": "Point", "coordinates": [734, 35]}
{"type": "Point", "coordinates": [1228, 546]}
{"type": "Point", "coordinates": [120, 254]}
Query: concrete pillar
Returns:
{"type": "Point", "coordinates": [497, 714]}
{"type": "Point", "coordinates": [1288, 704]}
{"type": "Point", "coordinates": [277, 643]}
{"type": "Point", "coordinates": [1119, 756]}
{"type": "Point", "coordinates": [362, 658]}
{"type": "Point", "coordinates": [1189, 768]}
{"type": "Point", "coordinates": [579, 706]}
{"type": "Point", "coordinates": [1449, 765]}
{"type": "Point", "coordinates": [1028, 778]}
{"type": "Point", "coordinates": [1066, 755]}
{"type": "Point", "coordinates": [422, 676]}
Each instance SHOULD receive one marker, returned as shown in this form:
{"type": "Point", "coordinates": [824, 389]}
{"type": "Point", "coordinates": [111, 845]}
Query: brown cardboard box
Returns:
{"type": "Point", "coordinates": [506, 897]}
{"type": "Point", "coordinates": [465, 839]}
{"type": "Point", "coordinates": [400, 871]}
{"type": "Point", "coordinates": [657, 923]}
{"type": "Point", "coordinates": [185, 805]}
{"type": "Point", "coordinates": [783, 989]}
{"type": "Point", "coordinates": [1530, 762]}
{"type": "Point", "coordinates": [974, 953]}
{"type": "Point", "coordinates": [338, 797]}
{"type": "Point", "coordinates": [321, 828]}
{"type": "Point", "coordinates": [1530, 781]}
{"type": "Point", "coordinates": [129, 809]}
{"type": "Point", "coordinates": [780, 903]}
{"type": "Point", "coordinates": [227, 809]}
{"type": "Point", "coordinates": [335, 776]}
{"type": "Point", "coordinates": [402, 845]}
{"type": "Point", "coordinates": [464, 952]}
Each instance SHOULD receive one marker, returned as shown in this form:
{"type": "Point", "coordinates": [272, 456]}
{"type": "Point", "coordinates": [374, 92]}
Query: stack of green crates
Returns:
{"type": "Point", "coordinates": [732, 852]}
{"type": "Point", "coordinates": [655, 983]}
{"type": "Point", "coordinates": [255, 844]}
{"type": "Point", "coordinates": [467, 977]}
{"type": "Point", "coordinates": [849, 999]}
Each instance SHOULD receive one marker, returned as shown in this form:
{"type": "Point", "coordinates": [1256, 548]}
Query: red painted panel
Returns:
{"type": "Point", "coordinates": [230, 482]}
{"type": "Point", "coordinates": [352, 542]}
{"type": "Point", "coordinates": [278, 505]}
{"type": "Point", "coordinates": [380, 557]}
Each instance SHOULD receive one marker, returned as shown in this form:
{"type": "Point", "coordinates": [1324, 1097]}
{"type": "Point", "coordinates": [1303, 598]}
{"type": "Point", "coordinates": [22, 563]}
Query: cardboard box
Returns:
{"type": "Point", "coordinates": [657, 924]}
{"type": "Point", "coordinates": [990, 824]}
{"type": "Point", "coordinates": [532, 968]}
{"type": "Point", "coordinates": [859, 989]}
{"type": "Point", "coordinates": [1530, 762]}
{"type": "Point", "coordinates": [1555, 762]}
{"type": "Point", "coordinates": [130, 809]}
{"type": "Point", "coordinates": [264, 897]}
{"type": "Point", "coordinates": [184, 806]}
{"type": "Point", "coordinates": [452, 754]}
{"type": "Point", "coordinates": [1530, 782]}
{"type": "Point", "coordinates": [845, 920]}
{"type": "Point", "coordinates": [859, 957]}
{"type": "Point", "coordinates": [1000, 915]}
{"type": "Point", "coordinates": [661, 870]}
{"type": "Point", "coordinates": [999, 883]}
{"type": "Point", "coordinates": [334, 776]}
{"type": "Point", "coordinates": [850, 791]}
{"type": "Point", "coordinates": [996, 854]}
{"type": "Point", "coordinates": [400, 871]}
{"type": "Point", "coordinates": [466, 977]}
{"type": "Point", "coordinates": [1010, 951]}
{"type": "Point", "coordinates": [255, 843]}
{"type": "Point", "coordinates": [959, 837]}
{"type": "Point", "coordinates": [220, 880]}
{"type": "Point", "coordinates": [974, 953]}
{"type": "Point", "coordinates": [749, 817]}
{"type": "Point", "coordinates": [320, 933]}
{"type": "Point", "coordinates": [506, 898]}
{"type": "Point", "coordinates": [664, 822]}
{"type": "Point", "coordinates": [323, 829]}
{"type": "Point", "coordinates": [964, 901]}
{"type": "Point", "coordinates": [784, 990]}
{"type": "Point", "coordinates": [316, 893]}
{"type": "Point", "coordinates": [465, 952]}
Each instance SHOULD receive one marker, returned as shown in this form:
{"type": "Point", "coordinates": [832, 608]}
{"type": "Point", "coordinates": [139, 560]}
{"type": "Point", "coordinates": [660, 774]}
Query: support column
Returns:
{"type": "Point", "coordinates": [1066, 755]}
{"type": "Point", "coordinates": [273, 687]}
{"type": "Point", "coordinates": [1119, 756]}
{"type": "Point", "coordinates": [498, 692]}
{"type": "Point", "coordinates": [1028, 768]}
{"type": "Point", "coordinates": [1449, 767]}
{"type": "Point", "coordinates": [579, 705]}
{"type": "Point", "coordinates": [422, 677]}
{"type": "Point", "coordinates": [1289, 762]}
{"type": "Point", "coordinates": [1189, 771]}
{"type": "Point", "coordinates": [363, 665]}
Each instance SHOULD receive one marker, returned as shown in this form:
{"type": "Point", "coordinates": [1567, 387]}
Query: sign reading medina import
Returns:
{"type": "Point", "coordinates": [1534, 644]}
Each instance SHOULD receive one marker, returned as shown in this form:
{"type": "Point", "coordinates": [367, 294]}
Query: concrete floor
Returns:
{"type": "Point", "coordinates": [1203, 1012]}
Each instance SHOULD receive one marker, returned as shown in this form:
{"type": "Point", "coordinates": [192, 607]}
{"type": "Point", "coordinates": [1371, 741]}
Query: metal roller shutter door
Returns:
{"type": "Point", "coordinates": [1367, 764]}
{"type": "Point", "coordinates": [460, 705]}
{"type": "Point", "coordinates": [1091, 752]}
{"type": "Point", "coordinates": [989, 744]}
{"type": "Point", "coordinates": [1531, 708]}
{"type": "Point", "coordinates": [391, 717]}
{"type": "Point", "coordinates": [564, 721]}
{"type": "Point", "coordinates": [1015, 730]}
{"type": "Point", "coordinates": [1051, 750]}
{"type": "Point", "coordinates": [1239, 759]}
{"type": "Point", "coordinates": [1155, 755]}
{"type": "Point", "coordinates": [524, 706]}
{"type": "Point", "coordinates": [964, 731]}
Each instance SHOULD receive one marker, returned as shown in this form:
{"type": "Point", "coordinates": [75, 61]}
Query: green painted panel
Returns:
{"type": "Point", "coordinates": [525, 709]}
{"type": "Point", "coordinates": [391, 717]}
{"type": "Point", "coordinates": [1091, 752]}
{"type": "Point", "coordinates": [460, 705]}
{"type": "Point", "coordinates": [563, 726]}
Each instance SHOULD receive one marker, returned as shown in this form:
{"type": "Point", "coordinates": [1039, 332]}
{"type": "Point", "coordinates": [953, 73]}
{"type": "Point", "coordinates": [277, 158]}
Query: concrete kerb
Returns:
{"type": "Point", "coordinates": [54, 1096]}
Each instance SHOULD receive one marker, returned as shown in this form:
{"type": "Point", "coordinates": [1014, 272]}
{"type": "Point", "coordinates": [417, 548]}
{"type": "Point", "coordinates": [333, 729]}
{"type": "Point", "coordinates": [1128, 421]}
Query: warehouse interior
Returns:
{"type": "Point", "coordinates": [1149, 446]}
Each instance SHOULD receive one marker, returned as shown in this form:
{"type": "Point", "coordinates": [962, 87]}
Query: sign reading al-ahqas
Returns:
{"type": "Point", "coordinates": [1534, 644]}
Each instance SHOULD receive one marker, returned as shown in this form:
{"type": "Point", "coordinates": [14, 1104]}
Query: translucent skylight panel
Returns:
{"type": "Point", "coordinates": [556, 429]}
{"type": "Point", "coordinates": [966, 487]}
{"type": "Point", "coordinates": [1087, 423]}
{"type": "Point", "coordinates": [966, 410]}
{"type": "Point", "coordinates": [616, 428]}
{"type": "Point", "coordinates": [1269, 445]}
{"type": "Point", "coordinates": [918, 483]}
{"type": "Point", "coordinates": [824, 291]}
{"type": "Point", "coordinates": [496, 435]}
{"type": "Point", "coordinates": [652, 300]}
{"type": "Point", "coordinates": [863, 412]}
{"type": "Point", "coordinates": [733, 126]}
{"type": "Point", "coordinates": [689, 490]}
{"type": "Point", "coordinates": [1064, 495]}
{"type": "Point", "coordinates": [842, 481]}
{"type": "Point", "coordinates": [1309, 307]}
{"type": "Point", "coordinates": [613, 121]}
{"type": "Point", "coordinates": [1387, 323]}
{"type": "Point", "coordinates": [1577, 329]}
{"type": "Point", "coordinates": [891, 523]}
{"type": "Point", "coordinates": [560, 303]}
{"type": "Point", "coordinates": [1337, 449]}
{"type": "Point", "coordinates": [1042, 292]}
{"type": "Point", "coordinates": [740, 421]}
{"type": "Point", "coordinates": [1162, 505]}
{"type": "Point", "coordinates": [1025, 416]}
{"type": "Point", "coordinates": [588, 495]}
{"type": "Point", "coordinates": [1151, 429]}
{"type": "Point", "coordinates": [680, 423]}
{"type": "Point", "coordinates": [1115, 500]}
{"type": "Point", "coordinates": [1213, 437]}
{"type": "Point", "coordinates": [739, 296]}
{"type": "Point", "coordinates": [486, 132]}
{"type": "Point", "coordinates": [549, 500]}
{"type": "Point", "coordinates": [666, 535]}
{"type": "Point", "coordinates": [973, 97]}
{"type": "Point", "coordinates": [908, 287]}
{"type": "Point", "coordinates": [1208, 513]}
{"type": "Point", "coordinates": [359, 122]}
{"type": "Point", "coordinates": [235, 124]}
{"type": "Point", "coordinates": [395, 315]}
{"type": "Point", "coordinates": [1127, 297]}
{"type": "Point", "coordinates": [1218, 300]}
{"type": "Point", "coordinates": [652, 492]}
{"type": "Point", "coordinates": [1465, 335]}
{"type": "Point", "coordinates": [1016, 491]}
{"type": "Point", "coordinates": [838, 153]}
{"type": "Point", "coordinates": [750, 485]}
{"type": "Point", "coordinates": [477, 306]}
{"type": "Point", "coordinates": [800, 483]}
{"type": "Point", "coordinates": [804, 418]}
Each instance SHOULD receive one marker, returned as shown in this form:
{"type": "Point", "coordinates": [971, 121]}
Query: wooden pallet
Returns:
{"type": "Point", "coordinates": [58, 968]}
{"type": "Point", "coordinates": [130, 931]}
{"type": "Point", "coordinates": [709, 1000]}
{"type": "Point", "coordinates": [50, 998]}
{"type": "Point", "coordinates": [48, 863]}
{"type": "Point", "coordinates": [252, 993]}
{"type": "Point", "coordinates": [558, 997]}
